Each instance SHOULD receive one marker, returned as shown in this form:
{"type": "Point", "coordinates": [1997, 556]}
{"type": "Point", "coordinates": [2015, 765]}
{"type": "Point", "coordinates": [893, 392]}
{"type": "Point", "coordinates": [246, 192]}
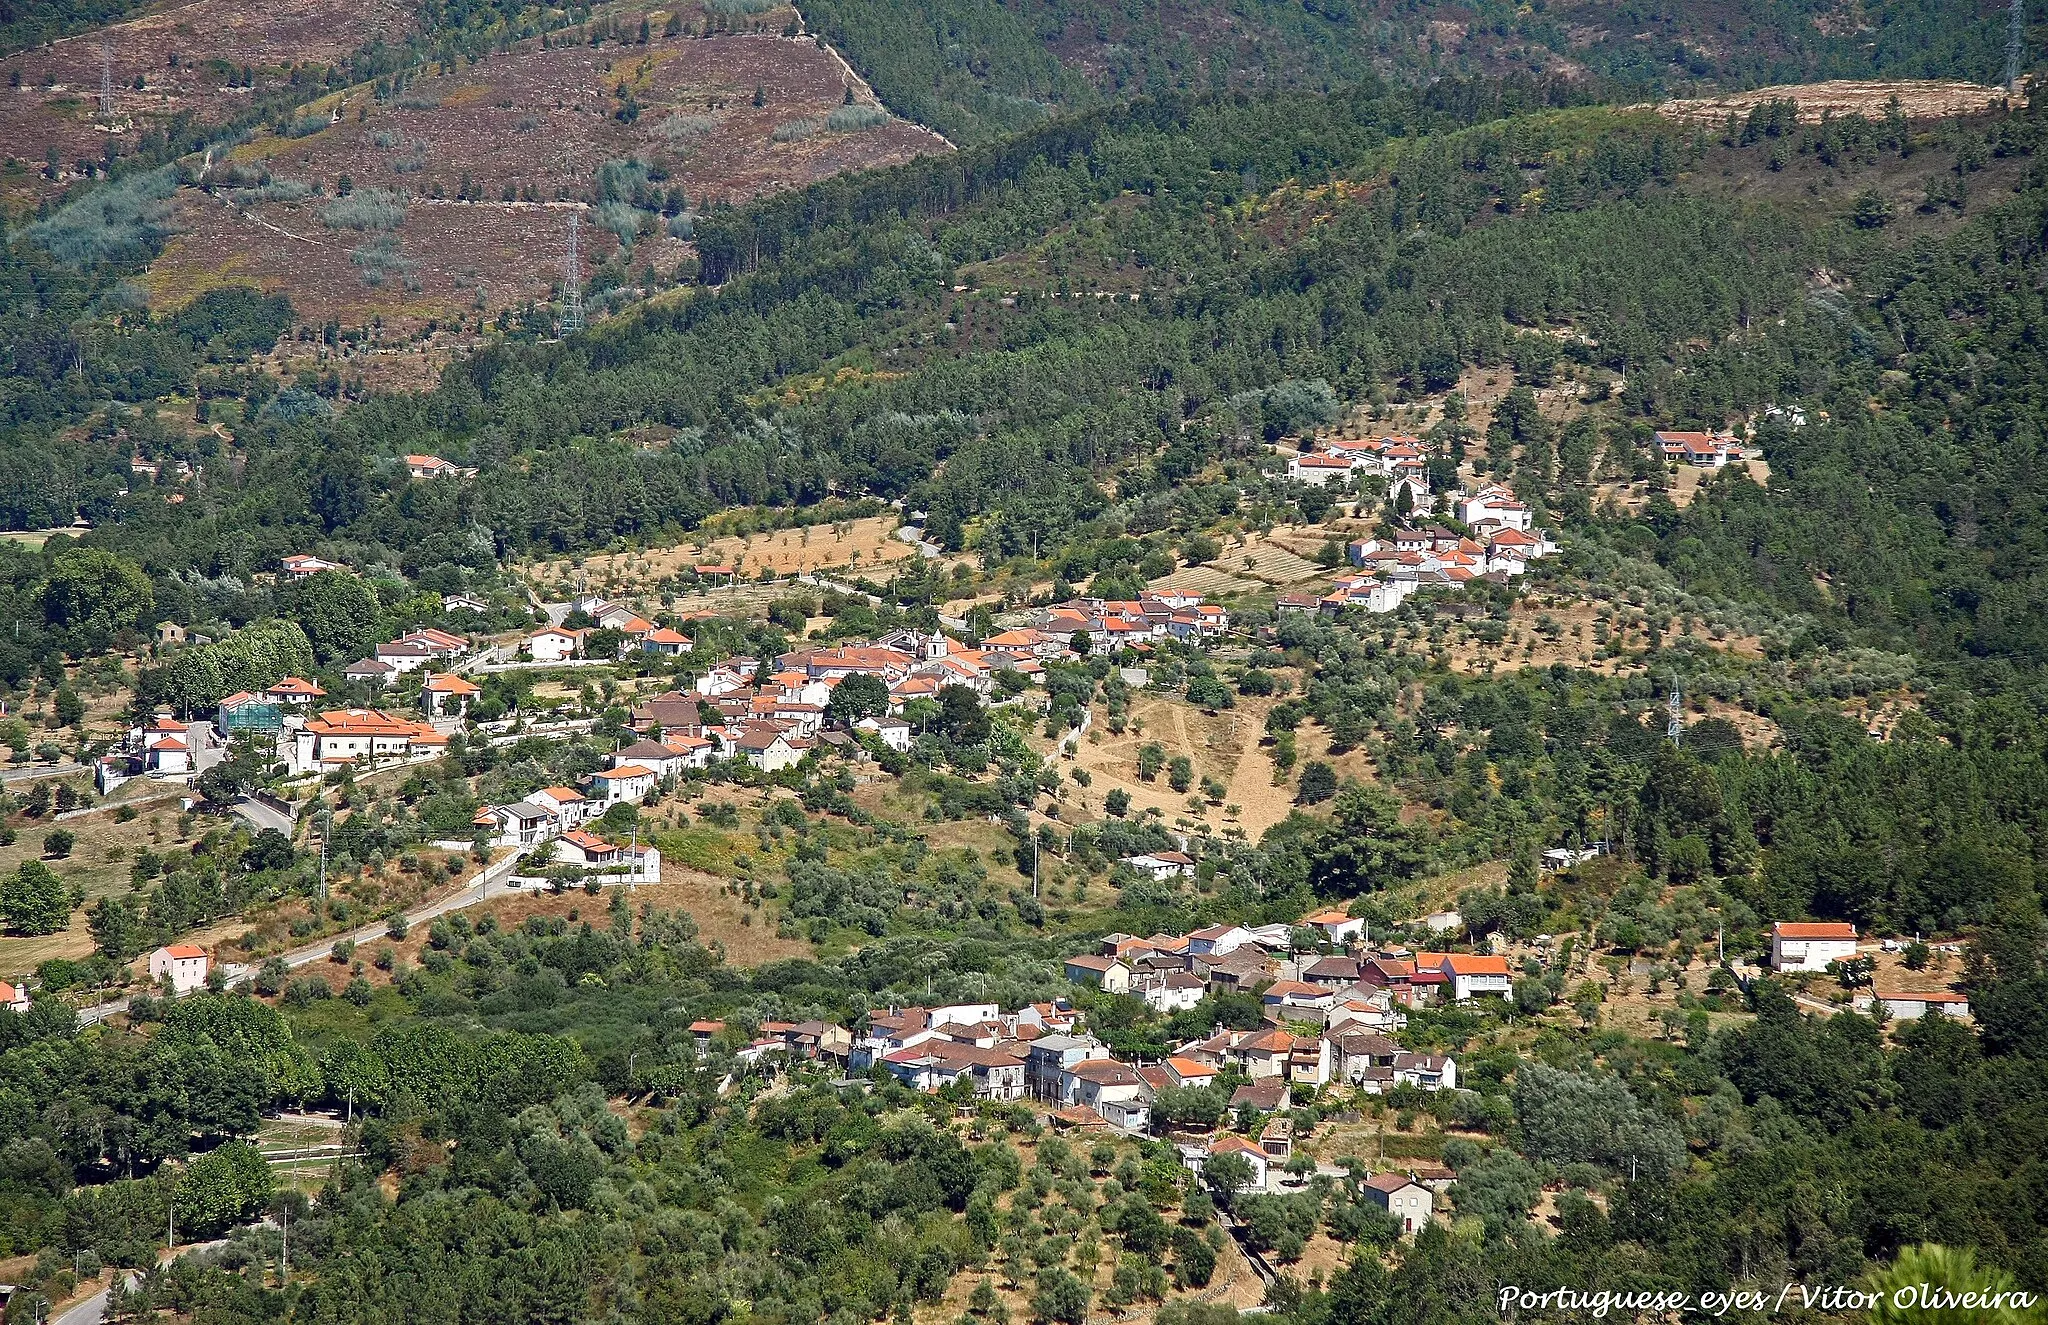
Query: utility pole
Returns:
{"type": "Point", "coordinates": [284, 1253]}
{"type": "Point", "coordinates": [1675, 727]}
{"type": "Point", "coordinates": [572, 280]}
{"type": "Point", "coordinates": [1034, 865]}
{"type": "Point", "coordinates": [106, 80]}
{"type": "Point", "coordinates": [326, 831]}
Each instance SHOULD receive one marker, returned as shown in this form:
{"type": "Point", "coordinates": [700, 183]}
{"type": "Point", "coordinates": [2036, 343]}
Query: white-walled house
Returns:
{"type": "Point", "coordinates": [894, 732]}
{"type": "Point", "coordinates": [1218, 940]}
{"type": "Point", "coordinates": [1913, 1004]}
{"type": "Point", "coordinates": [1317, 469]}
{"type": "Point", "coordinates": [1804, 945]}
{"type": "Point", "coordinates": [629, 782]}
{"type": "Point", "coordinates": [1335, 925]}
{"type": "Point", "coordinates": [1162, 865]}
{"type": "Point", "coordinates": [554, 644]}
{"type": "Point", "coordinates": [183, 964]}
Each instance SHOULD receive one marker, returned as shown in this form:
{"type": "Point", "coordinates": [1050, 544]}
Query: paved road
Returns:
{"type": "Point", "coordinates": [476, 890]}
{"type": "Point", "coordinates": [89, 1311]}
{"type": "Point", "coordinates": [264, 815]}
{"type": "Point", "coordinates": [35, 771]}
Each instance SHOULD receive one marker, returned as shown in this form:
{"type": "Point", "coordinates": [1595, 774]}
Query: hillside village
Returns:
{"type": "Point", "coordinates": [1356, 688]}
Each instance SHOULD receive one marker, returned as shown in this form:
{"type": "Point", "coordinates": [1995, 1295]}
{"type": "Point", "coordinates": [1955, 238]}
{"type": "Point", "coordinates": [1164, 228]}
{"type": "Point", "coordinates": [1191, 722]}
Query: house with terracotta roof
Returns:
{"type": "Point", "coordinates": [295, 692]}
{"type": "Point", "coordinates": [301, 566]}
{"type": "Point", "coordinates": [1335, 924]}
{"type": "Point", "coordinates": [665, 760]}
{"type": "Point", "coordinates": [570, 807]}
{"type": "Point", "coordinates": [1701, 450]}
{"type": "Point", "coordinates": [628, 782]}
{"type": "Point", "coordinates": [447, 690]}
{"type": "Point", "coordinates": [1188, 1072]}
{"type": "Point", "coordinates": [433, 466]}
{"type": "Point", "coordinates": [1107, 972]}
{"type": "Point", "coordinates": [1196, 1158]}
{"type": "Point", "coordinates": [1162, 865]}
{"type": "Point", "coordinates": [14, 997]}
{"type": "Point", "coordinates": [771, 747]}
{"type": "Point", "coordinates": [555, 643]}
{"type": "Point", "coordinates": [1467, 974]}
{"type": "Point", "coordinates": [183, 965]}
{"type": "Point", "coordinates": [662, 640]}
{"type": "Point", "coordinates": [361, 737]}
{"type": "Point", "coordinates": [1317, 469]}
{"type": "Point", "coordinates": [1396, 975]}
{"type": "Point", "coordinates": [996, 1073]}
{"type": "Point", "coordinates": [1806, 945]}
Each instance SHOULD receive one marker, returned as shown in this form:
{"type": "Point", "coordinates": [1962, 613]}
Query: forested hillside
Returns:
{"type": "Point", "coordinates": [976, 69]}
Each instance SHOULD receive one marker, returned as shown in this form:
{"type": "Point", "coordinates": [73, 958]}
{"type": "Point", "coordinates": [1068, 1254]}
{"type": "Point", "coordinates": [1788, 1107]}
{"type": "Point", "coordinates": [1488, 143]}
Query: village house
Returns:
{"type": "Point", "coordinates": [569, 807]}
{"type": "Point", "coordinates": [996, 1074]}
{"type": "Point", "coordinates": [1217, 940]}
{"type": "Point", "coordinates": [1283, 999]}
{"type": "Point", "coordinates": [370, 672]}
{"type": "Point", "coordinates": [1468, 975]}
{"type": "Point", "coordinates": [900, 1028]}
{"type": "Point", "coordinates": [1168, 992]}
{"type": "Point", "coordinates": [1810, 945]}
{"type": "Point", "coordinates": [668, 643]}
{"type": "Point", "coordinates": [628, 782]}
{"type": "Point", "coordinates": [361, 737]}
{"type": "Point", "coordinates": [527, 823]}
{"type": "Point", "coordinates": [663, 759]}
{"type": "Point", "coordinates": [433, 466]}
{"type": "Point", "coordinates": [1332, 972]}
{"type": "Point", "coordinates": [182, 965]}
{"type": "Point", "coordinates": [14, 997]}
{"type": "Point", "coordinates": [1162, 865]}
{"type": "Point", "coordinates": [302, 566]}
{"type": "Point", "coordinates": [1047, 1059]}
{"type": "Point", "coordinates": [448, 691]}
{"type": "Point", "coordinates": [894, 733]}
{"type": "Point", "coordinates": [555, 644]}
{"type": "Point", "coordinates": [770, 748]}
{"type": "Point", "coordinates": [1911, 1005]}
{"type": "Point", "coordinates": [1701, 450]}
{"type": "Point", "coordinates": [1112, 1089]}
{"type": "Point", "coordinates": [1196, 1158]}
{"type": "Point", "coordinates": [1107, 972]}
{"type": "Point", "coordinates": [295, 692]}
{"type": "Point", "coordinates": [1336, 926]}
{"type": "Point", "coordinates": [1401, 1196]}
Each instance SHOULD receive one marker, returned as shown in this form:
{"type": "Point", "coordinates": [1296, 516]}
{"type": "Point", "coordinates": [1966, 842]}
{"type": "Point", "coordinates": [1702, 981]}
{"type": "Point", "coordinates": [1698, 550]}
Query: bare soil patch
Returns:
{"type": "Point", "coordinates": [1919, 100]}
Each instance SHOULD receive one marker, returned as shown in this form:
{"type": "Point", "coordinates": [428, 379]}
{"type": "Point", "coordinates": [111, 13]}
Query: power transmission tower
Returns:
{"type": "Point", "coordinates": [107, 80]}
{"type": "Point", "coordinates": [572, 281]}
{"type": "Point", "coordinates": [2015, 43]}
{"type": "Point", "coordinates": [1675, 727]}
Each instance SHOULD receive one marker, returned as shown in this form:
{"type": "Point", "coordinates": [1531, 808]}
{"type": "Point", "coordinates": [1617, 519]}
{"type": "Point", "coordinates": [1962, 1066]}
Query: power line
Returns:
{"type": "Point", "coordinates": [572, 281]}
